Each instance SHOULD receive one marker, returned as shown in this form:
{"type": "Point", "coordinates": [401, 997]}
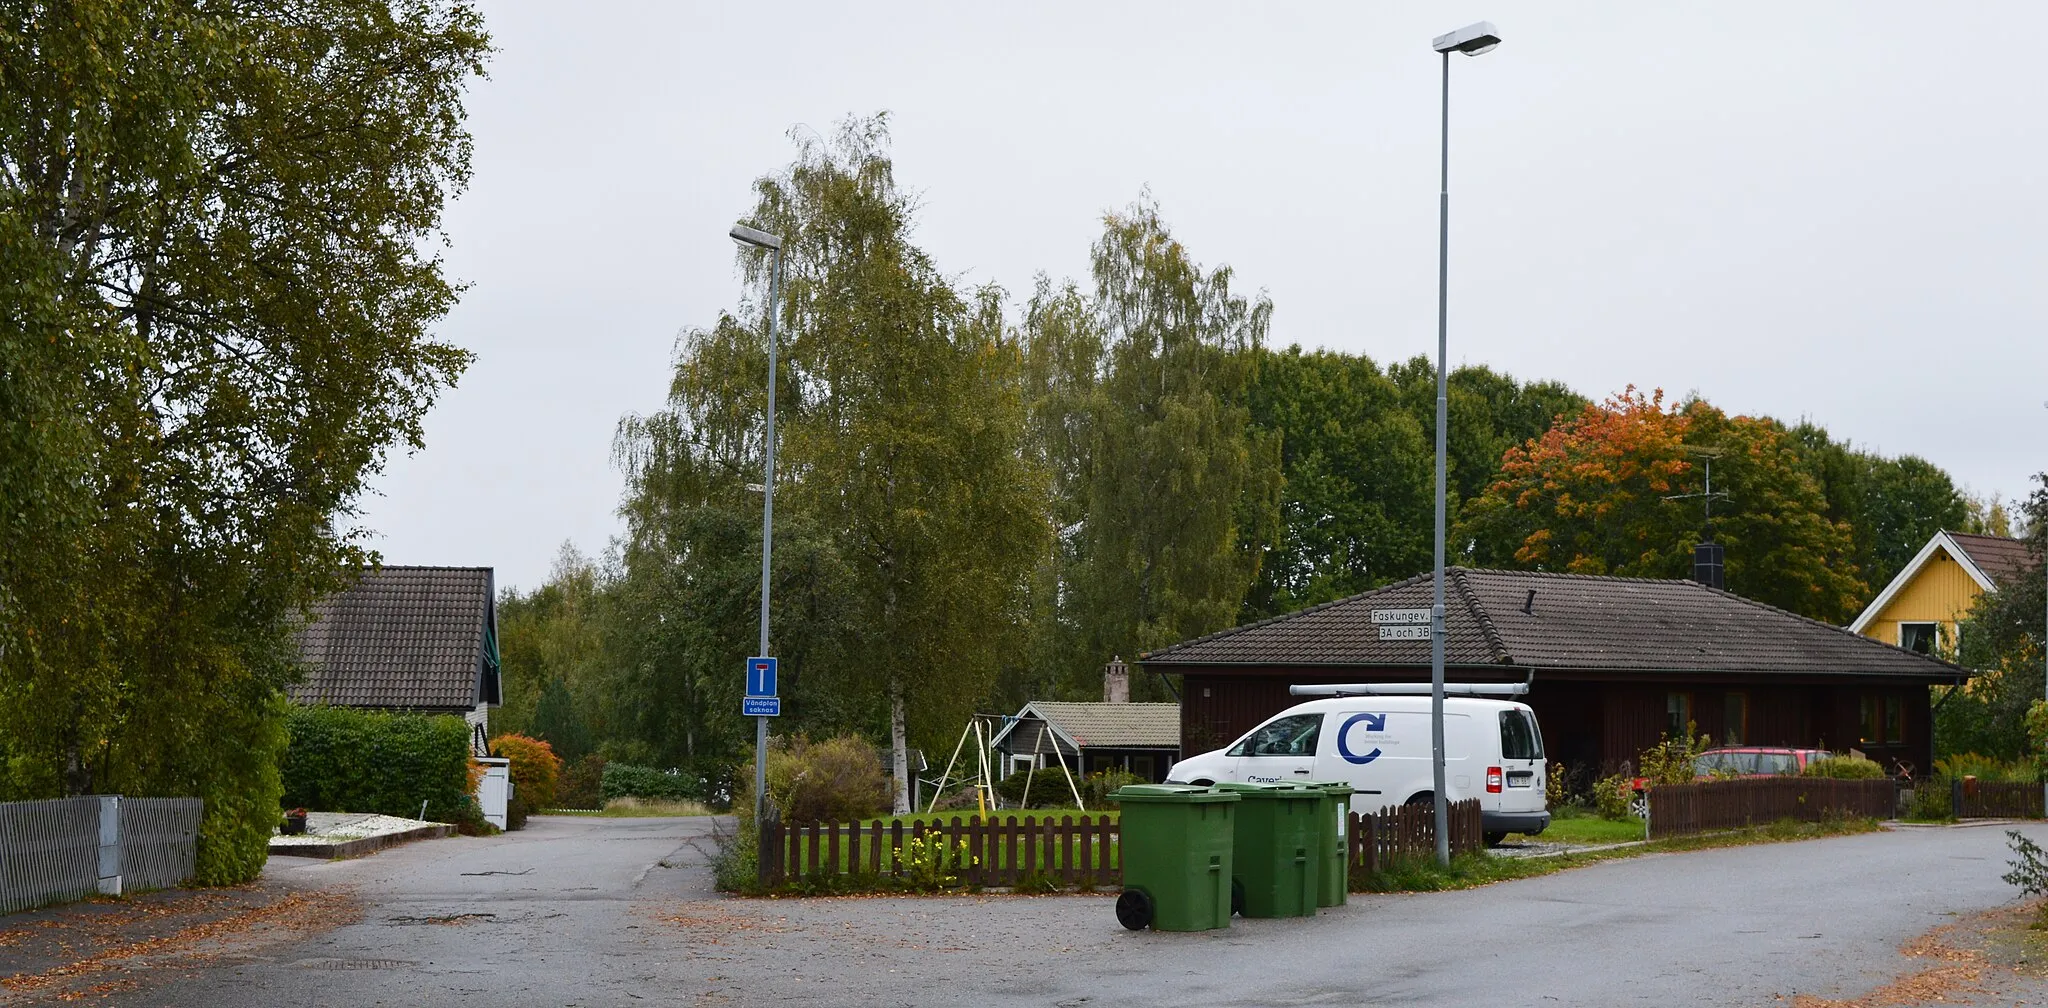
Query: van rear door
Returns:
{"type": "Point", "coordinates": [1521, 751]}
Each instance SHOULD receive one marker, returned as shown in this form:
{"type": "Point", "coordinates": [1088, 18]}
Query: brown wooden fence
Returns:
{"type": "Point", "coordinates": [1684, 809]}
{"type": "Point", "coordinates": [1406, 832]}
{"type": "Point", "coordinates": [1000, 852]}
{"type": "Point", "coordinates": [1069, 851]}
{"type": "Point", "coordinates": [1981, 799]}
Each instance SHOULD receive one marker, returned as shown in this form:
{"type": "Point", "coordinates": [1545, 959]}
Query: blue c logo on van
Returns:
{"type": "Point", "coordinates": [1373, 722]}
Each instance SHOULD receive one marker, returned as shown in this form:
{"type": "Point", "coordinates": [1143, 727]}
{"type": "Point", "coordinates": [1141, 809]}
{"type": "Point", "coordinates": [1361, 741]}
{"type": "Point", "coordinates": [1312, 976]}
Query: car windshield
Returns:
{"type": "Point", "coordinates": [1288, 736]}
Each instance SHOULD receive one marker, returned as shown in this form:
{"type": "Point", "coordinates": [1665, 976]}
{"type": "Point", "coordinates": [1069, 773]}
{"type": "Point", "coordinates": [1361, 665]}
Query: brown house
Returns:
{"type": "Point", "coordinates": [1618, 663]}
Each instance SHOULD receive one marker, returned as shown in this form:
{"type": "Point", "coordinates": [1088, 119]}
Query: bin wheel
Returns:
{"type": "Point", "coordinates": [1237, 897]}
{"type": "Point", "coordinates": [1134, 909]}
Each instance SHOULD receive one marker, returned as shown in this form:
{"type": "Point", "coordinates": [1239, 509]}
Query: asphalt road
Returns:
{"type": "Point", "coordinates": [586, 914]}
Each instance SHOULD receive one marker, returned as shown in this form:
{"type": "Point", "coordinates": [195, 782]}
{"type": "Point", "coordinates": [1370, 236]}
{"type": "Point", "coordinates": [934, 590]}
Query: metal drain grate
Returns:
{"type": "Point", "coordinates": [353, 964]}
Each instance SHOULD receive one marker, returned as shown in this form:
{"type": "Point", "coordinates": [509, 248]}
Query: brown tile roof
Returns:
{"type": "Point", "coordinates": [401, 637]}
{"type": "Point", "coordinates": [1111, 725]}
{"type": "Point", "coordinates": [2001, 559]}
{"type": "Point", "coordinates": [1575, 621]}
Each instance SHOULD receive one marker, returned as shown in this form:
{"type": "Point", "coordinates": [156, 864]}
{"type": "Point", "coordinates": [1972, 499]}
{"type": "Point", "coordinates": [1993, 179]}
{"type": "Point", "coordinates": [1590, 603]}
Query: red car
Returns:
{"type": "Point", "coordinates": [1737, 761]}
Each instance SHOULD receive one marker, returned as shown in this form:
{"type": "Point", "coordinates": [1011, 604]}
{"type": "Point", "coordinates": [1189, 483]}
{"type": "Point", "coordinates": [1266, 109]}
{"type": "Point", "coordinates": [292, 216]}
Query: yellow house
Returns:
{"type": "Point", "coordinates": [1919, 609]}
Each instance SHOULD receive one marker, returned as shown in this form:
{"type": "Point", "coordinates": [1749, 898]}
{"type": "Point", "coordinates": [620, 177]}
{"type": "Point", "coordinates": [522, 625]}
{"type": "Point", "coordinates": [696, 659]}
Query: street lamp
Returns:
{"type": "Point", "coordinates": [1471, 40]}
{"type": "Point", "coordinates": [761, 239]}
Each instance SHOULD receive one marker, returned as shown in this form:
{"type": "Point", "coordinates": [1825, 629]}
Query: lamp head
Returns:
{"type": "Point", "coordinates": [1471, 40]}
{"type": "Point", "coordinates": [755, 236]}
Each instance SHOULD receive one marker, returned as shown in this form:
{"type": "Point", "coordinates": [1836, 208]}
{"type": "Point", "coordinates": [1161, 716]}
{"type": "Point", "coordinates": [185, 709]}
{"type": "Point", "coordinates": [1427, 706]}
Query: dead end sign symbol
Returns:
{"type": "Point", "coordinates": [761, 677]}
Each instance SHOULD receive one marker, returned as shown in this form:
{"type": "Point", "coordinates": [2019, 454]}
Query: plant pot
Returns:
{"type": "Point", "coordinates": [294, 825]}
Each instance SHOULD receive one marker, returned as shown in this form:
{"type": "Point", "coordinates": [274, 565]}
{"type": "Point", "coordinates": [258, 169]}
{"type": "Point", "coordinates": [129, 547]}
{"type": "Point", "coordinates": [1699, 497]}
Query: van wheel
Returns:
{"type": "Point", "coordinates": [1495, 839]}
{"type": "Point", "coordinates": [1421, 798]}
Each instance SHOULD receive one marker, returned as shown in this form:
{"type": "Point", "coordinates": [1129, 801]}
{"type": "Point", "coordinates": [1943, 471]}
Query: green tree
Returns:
{"type": "Point", "coordinates": [215, 225]}
{"type": "Point", "coordinates": [1892, 506]}
{"type": "Point", "coordinates": [906, 442]}
{"type": "Point", "coordinates": [1356, 504]}
{"type": "Point", "coordinates": [2002, 638]}
{"type": "Point", "coordinates": [1182, 490]}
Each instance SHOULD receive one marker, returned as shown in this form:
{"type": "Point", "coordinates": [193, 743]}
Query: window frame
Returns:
{"type": "Point", "coordinates": [1935, 634]}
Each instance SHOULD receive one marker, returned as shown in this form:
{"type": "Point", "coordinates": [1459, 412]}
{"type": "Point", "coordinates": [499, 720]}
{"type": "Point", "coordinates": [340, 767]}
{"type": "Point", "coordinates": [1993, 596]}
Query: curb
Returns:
{"type": "Point", "coordinates": [343, 849]}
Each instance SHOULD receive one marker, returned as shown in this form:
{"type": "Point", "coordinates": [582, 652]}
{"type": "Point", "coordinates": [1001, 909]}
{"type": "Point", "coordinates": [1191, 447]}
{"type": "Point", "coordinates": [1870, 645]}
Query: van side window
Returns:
{"type": "Point", "coordinates": [1288, 736]}
{"type": "Point", "coordinates": [1519, 738]}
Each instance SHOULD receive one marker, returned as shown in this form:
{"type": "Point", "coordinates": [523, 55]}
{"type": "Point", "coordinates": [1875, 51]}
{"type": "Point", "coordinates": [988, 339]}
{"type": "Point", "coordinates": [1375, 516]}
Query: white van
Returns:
{"type": "Point", "coordinates": [1380, 745]}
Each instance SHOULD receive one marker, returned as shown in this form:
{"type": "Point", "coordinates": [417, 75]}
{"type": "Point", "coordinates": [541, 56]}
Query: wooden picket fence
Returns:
{"type": "Point", "coordinates": [1982, 799]}
{"type": "Point", "coordinates": [1407, 832]}
{"type": "Point", "coordinates": [1002, 851]}
{"type": "Point", "coordinates": [1707, 806]}
{"type": "Point", "coordinates": [1069, 851]}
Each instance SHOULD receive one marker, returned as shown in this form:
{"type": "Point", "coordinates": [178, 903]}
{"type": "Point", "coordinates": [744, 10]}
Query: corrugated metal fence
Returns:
{"type": "Point", "coordinates": [71, 848]}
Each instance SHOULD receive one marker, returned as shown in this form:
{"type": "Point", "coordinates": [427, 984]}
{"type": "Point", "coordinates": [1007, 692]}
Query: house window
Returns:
{"type": "Point", "coordinates": [1142, 766]}
{"type": "Point", "coordinates": [1922, 637]}
{"type": "Point", "coordinates": [1883, 720]}
{"type": "Point", "coordinates": [1735, 719]}
{"type": "Point", "coordinates": [1678, 714]}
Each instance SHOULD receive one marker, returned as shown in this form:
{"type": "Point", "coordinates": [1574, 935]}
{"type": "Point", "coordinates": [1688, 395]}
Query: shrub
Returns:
{"type": "Point", "coordinates": [1612, 795]}
{"type": "Point", "coordinates": [1932, 800]}
{"type": "Point", "coordinates": [1103, 783]}
{"type": "Point", "coordinates": [341, 759]}
{"type": "Point", "coordinates": [624, 780]}
{"type": "Point", "coordinates": [1987, 768]}
{"type": "Point", "coordinates": [582, 784]}
{"type": "Point", "coordinates": [1844, 768]}
{"type": "Point", "coordinates": [836, 780]}
{"type": "Point", "coordinates": [535, 772]}
{"type": "Point", "coordinates": [1674, 760]}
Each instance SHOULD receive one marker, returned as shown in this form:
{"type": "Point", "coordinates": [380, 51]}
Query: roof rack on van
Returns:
{"type": "Point", "coordinates": [1411, 689]}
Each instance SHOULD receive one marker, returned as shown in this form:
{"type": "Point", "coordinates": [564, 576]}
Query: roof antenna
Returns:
{"type": "Point", "coordinates": [1529, 604]}
{"type": "Point", "coordinates": [1707, 495]}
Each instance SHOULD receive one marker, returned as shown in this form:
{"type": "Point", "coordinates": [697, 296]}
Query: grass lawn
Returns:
{"type": "Point", "coordinates": [1589, 830]}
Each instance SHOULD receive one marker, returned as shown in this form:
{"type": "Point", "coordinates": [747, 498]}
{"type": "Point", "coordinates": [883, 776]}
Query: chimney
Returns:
{"type": "Point", "coordinates": [1707, 567]}
{"type": "Point", "coordinates": [1116, 682]}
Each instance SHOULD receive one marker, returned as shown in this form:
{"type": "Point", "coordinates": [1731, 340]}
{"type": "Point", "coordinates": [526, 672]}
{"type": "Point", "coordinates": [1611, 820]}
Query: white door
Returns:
{"type": "Point", "coordinates": [1281, 750]}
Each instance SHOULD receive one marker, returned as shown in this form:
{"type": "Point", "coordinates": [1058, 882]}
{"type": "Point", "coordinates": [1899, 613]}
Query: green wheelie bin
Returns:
{"type": "Point", "coordinates": [1175, 848]}
{"type": "Point", "coordinates": [1277, 857]}
{"type": "Point", "coordinates": [1334, 883]}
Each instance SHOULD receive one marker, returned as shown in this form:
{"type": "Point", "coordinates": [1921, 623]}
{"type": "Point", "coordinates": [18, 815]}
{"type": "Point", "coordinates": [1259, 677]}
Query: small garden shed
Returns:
{"type": "Point", "coordinates": [1142, 738]}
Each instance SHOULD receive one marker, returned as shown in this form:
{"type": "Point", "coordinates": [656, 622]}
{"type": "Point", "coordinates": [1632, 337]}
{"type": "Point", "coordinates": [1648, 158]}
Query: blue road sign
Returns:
{"type": "Point", "coordinates": [761, 706]}
{"type": "Point", "coordinates": [761, 677]}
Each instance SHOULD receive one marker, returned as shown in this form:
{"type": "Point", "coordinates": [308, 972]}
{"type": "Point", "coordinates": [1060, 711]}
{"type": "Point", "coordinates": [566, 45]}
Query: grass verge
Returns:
{"type": "Point", "coordinates": [634, 808]}
{"type": "Point", "coordinates": [1471, 870]}
{"type": "Point", "coordinates": [1590, 830]}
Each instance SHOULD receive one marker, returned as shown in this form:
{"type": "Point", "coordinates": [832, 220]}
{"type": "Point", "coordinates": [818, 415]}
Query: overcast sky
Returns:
{"type": "Point", "coordinates": [1830, 211]}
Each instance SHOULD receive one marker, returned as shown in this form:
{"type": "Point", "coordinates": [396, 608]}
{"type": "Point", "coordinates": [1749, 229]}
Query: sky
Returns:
{"type": "Point", "coordinates": [1827, 211]}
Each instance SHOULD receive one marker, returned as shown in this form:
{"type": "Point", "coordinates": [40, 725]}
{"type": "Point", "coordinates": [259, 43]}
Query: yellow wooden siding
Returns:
{"type": "Point", "coordinates": [1941, 593]}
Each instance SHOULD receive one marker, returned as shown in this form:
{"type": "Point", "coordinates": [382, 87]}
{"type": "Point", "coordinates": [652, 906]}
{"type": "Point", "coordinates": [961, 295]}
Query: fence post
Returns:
{"type": "Point", "coordinates": [764, 830]}
{"type": "Point", "coordinates": [110, 845]}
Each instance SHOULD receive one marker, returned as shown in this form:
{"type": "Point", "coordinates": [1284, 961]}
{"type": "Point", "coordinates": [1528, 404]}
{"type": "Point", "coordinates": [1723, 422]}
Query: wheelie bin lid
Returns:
{"type": "Point", "coordinates": [1182, 794]}
{"type": "Point", "coordinates": [1335, 789]}
{"type": "Point", "coordinates": [1281, 790]}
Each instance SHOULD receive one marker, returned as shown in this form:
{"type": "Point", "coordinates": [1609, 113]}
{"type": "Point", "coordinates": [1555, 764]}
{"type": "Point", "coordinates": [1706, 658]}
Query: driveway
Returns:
{"type": "Point", "coordinates": [594, 912]}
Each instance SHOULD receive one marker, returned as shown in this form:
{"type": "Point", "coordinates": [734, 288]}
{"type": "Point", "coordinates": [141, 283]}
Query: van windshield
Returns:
{"type": "Point", "coordinates": [1519, 738]}
{"type": "Point", "coordinates": [1288, 736]}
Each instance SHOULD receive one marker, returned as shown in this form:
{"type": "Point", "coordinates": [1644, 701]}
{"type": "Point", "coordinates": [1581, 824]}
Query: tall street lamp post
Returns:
{"type": "Point", "coordinates": [1471, 40]}
{"type": "Point", "coordinates": [762, 239]}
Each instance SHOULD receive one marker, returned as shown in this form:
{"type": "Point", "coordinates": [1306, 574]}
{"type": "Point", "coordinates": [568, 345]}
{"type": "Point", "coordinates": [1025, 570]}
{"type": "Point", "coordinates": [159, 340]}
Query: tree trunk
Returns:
{"type": "Point", "coordinates": [899, 750]}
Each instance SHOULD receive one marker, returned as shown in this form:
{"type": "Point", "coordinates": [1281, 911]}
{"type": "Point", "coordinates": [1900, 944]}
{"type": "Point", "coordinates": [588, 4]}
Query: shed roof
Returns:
{"type": "Point", "coordinates": [1536, 620]}
{"type": "Point", "coordinates": [401, 637]}
{"type": "Point", "coordinates": [1105, 725]}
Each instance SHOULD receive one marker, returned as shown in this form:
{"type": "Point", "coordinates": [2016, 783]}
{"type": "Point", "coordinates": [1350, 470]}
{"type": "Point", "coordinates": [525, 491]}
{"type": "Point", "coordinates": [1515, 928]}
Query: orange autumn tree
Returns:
{"type": "Point", "coordinates": [1590, 496]}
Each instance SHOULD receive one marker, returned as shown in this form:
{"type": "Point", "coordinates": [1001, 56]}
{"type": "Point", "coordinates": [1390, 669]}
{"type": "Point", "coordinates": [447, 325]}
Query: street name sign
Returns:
{"type": "Point", "coordinates": [1384, 617]}
{"type": "Point", "coordinates": [1404, 632]}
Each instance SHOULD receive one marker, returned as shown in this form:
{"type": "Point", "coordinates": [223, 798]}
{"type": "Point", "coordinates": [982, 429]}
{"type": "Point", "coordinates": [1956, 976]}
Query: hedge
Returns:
{"type": "Point", "coordinates": [625, 781]}
{"type": "Point", "coordinates": [345, 760]}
